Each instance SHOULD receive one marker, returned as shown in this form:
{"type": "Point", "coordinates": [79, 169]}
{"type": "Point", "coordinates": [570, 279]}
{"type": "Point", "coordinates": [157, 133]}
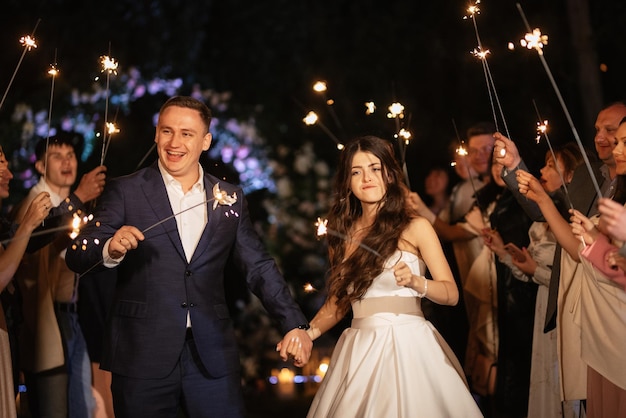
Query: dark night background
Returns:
{"type": "Point", "coordinates": [268, 54]}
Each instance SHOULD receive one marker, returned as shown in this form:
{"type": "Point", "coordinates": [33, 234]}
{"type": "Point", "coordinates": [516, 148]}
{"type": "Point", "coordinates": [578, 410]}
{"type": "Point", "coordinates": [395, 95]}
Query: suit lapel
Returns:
{"type": "Point", "coordinates": [212, 220]}
{"type": "Point", "coordinates": [156, 196]}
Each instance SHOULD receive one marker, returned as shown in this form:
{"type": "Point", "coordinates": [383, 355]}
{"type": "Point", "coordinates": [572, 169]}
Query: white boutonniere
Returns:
{"type": "Point", "coordinates": [220, 197]}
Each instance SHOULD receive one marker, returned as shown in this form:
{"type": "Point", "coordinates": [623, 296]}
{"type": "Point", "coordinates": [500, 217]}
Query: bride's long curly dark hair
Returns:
{"type": "Point", "coordinates": [351, 277]}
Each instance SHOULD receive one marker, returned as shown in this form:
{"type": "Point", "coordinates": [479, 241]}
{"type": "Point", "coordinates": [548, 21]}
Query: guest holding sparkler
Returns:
{"type": "Point", "coordinates": [53, 353]}
{"type": "Point", "coordinates": [169, 230]}
{"type": "Point", "coordinates": [566, 279]}
{"type": "Point", "coordinates": [10, 256]}
{"type": "Point", "coordinates": [390, 353]}
{"type": "Point", "coordinates": [603, 317]}
{"type": "Point", "coordinates": [535, 264]}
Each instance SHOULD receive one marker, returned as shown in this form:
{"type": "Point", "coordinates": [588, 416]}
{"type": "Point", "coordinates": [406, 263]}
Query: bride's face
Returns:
{"type": "Point", "coordinates": [366, 178]}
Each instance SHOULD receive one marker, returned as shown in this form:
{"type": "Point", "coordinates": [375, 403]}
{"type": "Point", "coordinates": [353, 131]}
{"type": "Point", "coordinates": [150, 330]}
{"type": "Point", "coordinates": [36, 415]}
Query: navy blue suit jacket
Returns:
{"type": "Point", "coordinates": [156, 286]}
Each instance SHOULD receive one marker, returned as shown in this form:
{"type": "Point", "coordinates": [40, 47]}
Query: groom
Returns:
{"type": "Point", "coordinates": [170, 341]}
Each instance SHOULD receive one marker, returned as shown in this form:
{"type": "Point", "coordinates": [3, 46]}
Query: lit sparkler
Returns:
{"type": "Point", "coordinates": [481, 53]}
{"type": "Point", "coordinates": [396, 110]}
{"type": "Point", "coordinates": [111, 129]}
{"type": "Point", "coordinates": [322, 88]}
{"type": "Point", "coordinates": [472, 10]}
{"type": "Point", "coordinates": [53, 71]}
{"type": "Point", "coordinates": [28, 42]}
{"type": "Point", "coordinates": [535, 40]}
{"type": "Point", "coordinates": [542, 129]}
{"type": "Point", "coordinates": [219, 197]}
{"type": "Point", "coordinates": [538, 41]}
{"type": "Point", "coordinates": [73, 229]}
{"type": "Point", "coordinates": [309, 288]}
{"type": "Point", "coordinates": [322, 229]}
{"type": "Point", "coordinates": [312, 119]}
{"type": "Point", "coordinates": [370, 108]}
{"type": "Point", "coordinates": [109, 65]}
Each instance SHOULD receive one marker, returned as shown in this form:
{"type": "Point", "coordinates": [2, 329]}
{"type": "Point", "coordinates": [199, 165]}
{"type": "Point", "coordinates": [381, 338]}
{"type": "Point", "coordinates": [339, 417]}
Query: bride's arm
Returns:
{"type": "Point", "coordinates": [326, 318]}
{"type": "Point", "coordinates": [442, 289]}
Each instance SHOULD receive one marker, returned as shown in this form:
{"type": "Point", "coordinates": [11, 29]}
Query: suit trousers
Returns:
{"type": "Point", "coordinates": [188, 389]}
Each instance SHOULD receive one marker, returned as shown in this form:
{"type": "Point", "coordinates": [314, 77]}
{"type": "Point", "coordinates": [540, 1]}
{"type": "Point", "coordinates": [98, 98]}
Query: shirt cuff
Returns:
{"type": "Point", "coordinates": [107, 260]}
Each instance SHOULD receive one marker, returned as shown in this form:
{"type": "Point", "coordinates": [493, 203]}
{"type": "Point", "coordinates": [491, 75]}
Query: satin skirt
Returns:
{"type": "Point", "coordinates": [393, 365]}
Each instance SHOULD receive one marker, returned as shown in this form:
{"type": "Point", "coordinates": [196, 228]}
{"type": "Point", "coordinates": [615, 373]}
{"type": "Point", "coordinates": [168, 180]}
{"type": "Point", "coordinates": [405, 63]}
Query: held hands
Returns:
{"type": "Point", "coordinates": [37, 211]}
{"type": "Point", "coordinates": [91, 184]}
{"type": "Point", "coordinates": [125, 239]}
{"type": "Point", "coordinates": [297, 343]}
{"type": "Point", "coordinates": [582, 227]}
{"type": "Point", "coordinates": [505, 152]}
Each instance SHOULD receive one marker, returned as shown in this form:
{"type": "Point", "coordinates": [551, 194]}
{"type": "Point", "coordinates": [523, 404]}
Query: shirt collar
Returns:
{"type": "Point", "coordinates": [169, 180]}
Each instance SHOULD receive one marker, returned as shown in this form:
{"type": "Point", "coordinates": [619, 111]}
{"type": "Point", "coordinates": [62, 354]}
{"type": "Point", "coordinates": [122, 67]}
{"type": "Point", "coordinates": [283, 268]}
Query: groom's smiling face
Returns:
{"type": "Point", "coordinates": [181, 137]}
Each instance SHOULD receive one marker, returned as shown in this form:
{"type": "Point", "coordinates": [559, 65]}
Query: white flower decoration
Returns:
{"type": "Point", "coordinates": [221, 197]}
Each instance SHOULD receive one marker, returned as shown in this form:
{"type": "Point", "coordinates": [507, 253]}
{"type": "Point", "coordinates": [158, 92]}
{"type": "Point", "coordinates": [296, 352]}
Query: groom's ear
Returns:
{"type": "Point", "coordinates": [207, 141]}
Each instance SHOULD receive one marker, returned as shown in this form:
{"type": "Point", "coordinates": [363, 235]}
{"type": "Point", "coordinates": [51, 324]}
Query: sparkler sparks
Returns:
{"type": "Point", "coordinates": [321, 87]}
{"type": "Point", "coordinates": [542, 129]}
{"type": "Point", "coordinates": [28, 42]}
{"type": "Point", "coordinates": [396, 110]}
{"type": "Point", "coordinates": [538, 46]}
{"type": "Point", "coordinates": [405, 135]}
{"type": "Point", "coordinates": [109, 66]}
{"type": "Point", "coordinates": [322, 229]}
{"type": "Point", "coordinates": [472, 10]}
{"type": "Point", "coordinates": [53, 71]}
{"type": "Point", "coordinates": [481, 53]}
{"type": "Point", "coordinates": [311, 119]}
{"type": "Point", "coordinates": [535, 40]}
{"type": "Point", "coordinates": [370, 108]}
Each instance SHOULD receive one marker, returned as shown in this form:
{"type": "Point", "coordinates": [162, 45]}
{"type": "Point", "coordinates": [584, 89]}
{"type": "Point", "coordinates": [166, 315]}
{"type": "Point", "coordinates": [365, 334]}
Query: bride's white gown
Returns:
{"type": "Point", "coordinates": [392, 362]}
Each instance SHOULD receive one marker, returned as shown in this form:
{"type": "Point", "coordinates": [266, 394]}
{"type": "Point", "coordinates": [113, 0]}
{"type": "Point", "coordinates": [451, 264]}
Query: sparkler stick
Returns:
{"type": "Point", "coordinates": [320, 87]}
{"type": "Point", "coordinates": [481, 53]}
{"type": "Point", "coordinates": [53, 71]}
{"type": "Point", "coordinates": [109, 65]}
{"type": "Point", "coordinates": [396, 111]}
{"type": "Point", "coordinates": [111, 128]}
{"type": "Point", "coordinates": [28, 42]}
{"type": "Point", "coordinates": [534, 40]}
{"type": "Point", "coordinates": [542, 129]}
{"type": "Point", "coordinates": [145, 156]}
{"type": "Point", "coordinates": [219, 197]}
{"type": "Point", "coordinates": [74, 227]}
{"type": "Point", "coordinates": [311, 119]}
{"type": "Point", "coordinates": [322, 229]}
{"type": "Point", "coordinates": [36, 234]}
{"type": "Point", "coordinates": [463, 152]}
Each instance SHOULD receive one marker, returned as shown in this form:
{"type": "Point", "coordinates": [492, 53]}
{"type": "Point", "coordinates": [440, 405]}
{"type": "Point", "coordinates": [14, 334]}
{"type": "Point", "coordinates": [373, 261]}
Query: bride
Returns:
{"type": "Point", "coordinates": [391, 362]}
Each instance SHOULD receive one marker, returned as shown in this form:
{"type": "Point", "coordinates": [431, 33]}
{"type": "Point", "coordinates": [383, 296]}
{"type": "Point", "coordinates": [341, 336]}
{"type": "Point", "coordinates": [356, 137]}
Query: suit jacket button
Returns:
{"type": "Point", "coordinates": [187, 273]}
{"type": "Point", "coordinates": [183, 305]}
{"type": "Point", "coordinates": [191, 305]}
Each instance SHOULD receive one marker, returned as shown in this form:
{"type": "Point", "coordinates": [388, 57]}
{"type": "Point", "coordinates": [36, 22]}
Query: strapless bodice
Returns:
{"type": "Point", "coordinates": [385, 283]}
